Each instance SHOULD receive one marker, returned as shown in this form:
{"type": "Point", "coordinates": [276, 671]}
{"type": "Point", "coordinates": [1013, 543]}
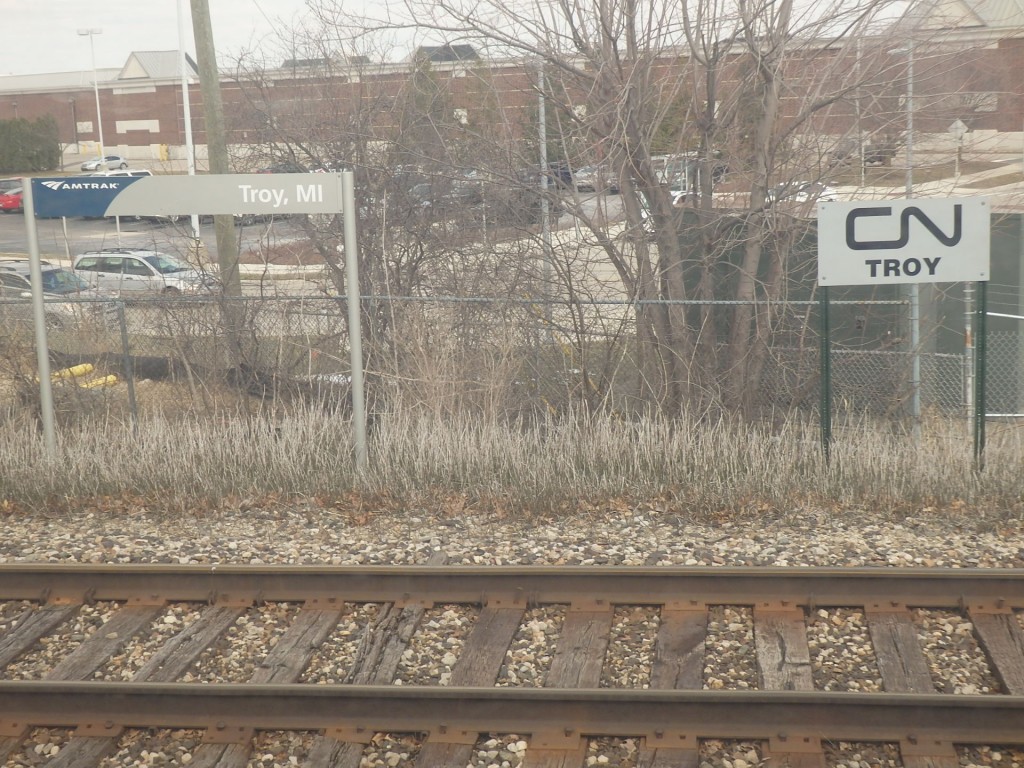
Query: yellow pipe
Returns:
{"type": "Point", "coordinates": [106, 381]}
{"type": "Point", "coordinates": [73, 372]}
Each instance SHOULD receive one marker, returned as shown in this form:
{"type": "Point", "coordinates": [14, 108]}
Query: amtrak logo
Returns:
{"type": "Point", "coordinates": [57, 186]}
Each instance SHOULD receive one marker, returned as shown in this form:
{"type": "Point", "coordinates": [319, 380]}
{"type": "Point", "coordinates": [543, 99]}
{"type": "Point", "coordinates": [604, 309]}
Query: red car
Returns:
{"type": "Point", "coordinates": [10, 201]}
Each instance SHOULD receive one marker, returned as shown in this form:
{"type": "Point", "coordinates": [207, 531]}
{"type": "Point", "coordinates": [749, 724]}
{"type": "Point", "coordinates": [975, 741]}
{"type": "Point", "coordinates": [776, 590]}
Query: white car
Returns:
{"type": "Point", "coordinates": [139, 272]}
{"type": "Point", "coordinates": [108, 163]}
{"type": "Point", "coordinates": [594, 178]}
{"type": "Point", "coordinates": [121, 172]}
{"type": "Point", "coordinates": [802, 192]}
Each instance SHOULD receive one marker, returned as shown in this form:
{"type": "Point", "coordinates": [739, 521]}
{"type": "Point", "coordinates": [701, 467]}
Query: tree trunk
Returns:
{"type": "Point", "coordinates": [744, 332]}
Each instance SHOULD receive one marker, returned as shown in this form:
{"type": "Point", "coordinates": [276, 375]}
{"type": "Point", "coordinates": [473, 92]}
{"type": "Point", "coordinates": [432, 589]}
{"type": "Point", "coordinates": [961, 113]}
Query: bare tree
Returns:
{"type": "Point", "coordinates": [711, 118]}
{"type": "Point", "coordinates": [709, 80]}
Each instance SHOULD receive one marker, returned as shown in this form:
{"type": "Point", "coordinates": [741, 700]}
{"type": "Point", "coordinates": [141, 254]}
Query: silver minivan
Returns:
{"type": "Point", "coordinates": [139, 272]}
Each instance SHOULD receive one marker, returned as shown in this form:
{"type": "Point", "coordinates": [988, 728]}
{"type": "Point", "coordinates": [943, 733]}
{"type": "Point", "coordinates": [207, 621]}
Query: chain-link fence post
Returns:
{"type": "Point", "coordinates": [129, 368]}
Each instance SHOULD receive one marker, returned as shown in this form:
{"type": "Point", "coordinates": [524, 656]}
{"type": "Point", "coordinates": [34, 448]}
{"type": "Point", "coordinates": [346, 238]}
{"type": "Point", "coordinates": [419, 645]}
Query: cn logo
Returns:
{"type": "Point", "coordinates": [905, 216]}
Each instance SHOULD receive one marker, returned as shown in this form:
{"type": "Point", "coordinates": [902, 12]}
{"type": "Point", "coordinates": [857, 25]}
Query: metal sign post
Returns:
{"type": "Point", "coordinates": [354, 315]}
{"type": "Point", "coordinates": [980, 407]}
{"type": "Point", "coordinates": [826, 376]}
{"type": "Point", "coordinates": [39, 319]}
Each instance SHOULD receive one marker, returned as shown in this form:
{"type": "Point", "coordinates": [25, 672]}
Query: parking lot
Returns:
{"type": "Point", "coordinates": [60, 240]}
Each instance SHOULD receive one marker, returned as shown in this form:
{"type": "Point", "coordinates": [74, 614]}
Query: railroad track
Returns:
{"type": "Point", "coordinates": [792, 720]}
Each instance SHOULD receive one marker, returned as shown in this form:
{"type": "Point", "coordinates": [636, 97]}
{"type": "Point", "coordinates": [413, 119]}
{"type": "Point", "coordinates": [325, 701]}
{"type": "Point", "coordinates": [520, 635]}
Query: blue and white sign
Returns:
{"type": "Point", "coordinates": [181, 195]}
{"type": "Point", "coordinates": [77, 196]}
{"type": "Point", "coordinates": [927, 240]}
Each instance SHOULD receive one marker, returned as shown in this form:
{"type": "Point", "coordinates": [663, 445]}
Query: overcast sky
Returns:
{"type": "Point", "coordinates": [40, 36]}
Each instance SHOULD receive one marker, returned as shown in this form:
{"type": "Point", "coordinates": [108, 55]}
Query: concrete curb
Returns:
{"type": "Point", "coordinates": [276, 272]}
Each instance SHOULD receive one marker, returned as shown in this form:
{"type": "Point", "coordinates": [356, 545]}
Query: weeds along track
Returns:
{"type": "Point", "coordinates": [528, 666]}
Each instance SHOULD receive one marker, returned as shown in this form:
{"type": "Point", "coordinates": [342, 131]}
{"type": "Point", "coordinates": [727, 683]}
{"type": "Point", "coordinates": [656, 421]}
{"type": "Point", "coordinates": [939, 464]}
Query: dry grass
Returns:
{"type": "Point", "coordinates": [691, 467]}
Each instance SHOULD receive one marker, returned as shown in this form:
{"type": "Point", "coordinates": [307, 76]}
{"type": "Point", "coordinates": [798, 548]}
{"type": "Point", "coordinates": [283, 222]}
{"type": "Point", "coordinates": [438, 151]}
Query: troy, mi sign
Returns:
{"type": "Point", "coordinates": [179, 195]}
{"type": "Point", "coordinates": [929, 240]}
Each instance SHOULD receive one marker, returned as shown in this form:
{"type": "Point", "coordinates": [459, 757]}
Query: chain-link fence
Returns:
{"type": "Point", "coordinates": [1005, 374]}
{"type": "Point", "coordinates": [501, 358]}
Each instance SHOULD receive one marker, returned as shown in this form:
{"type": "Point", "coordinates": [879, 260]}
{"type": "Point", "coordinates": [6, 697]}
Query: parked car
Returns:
{"type": "Point", "coordinates": [446, 194]}
{"type": "Point", "coordinates": [6, 185]}
{"type": "Point", "coordinates": [59, 285]}
{"type": "Point", "coordinates": [289, 166]}
{"type": "Point", "coordinates": [124, 172]}
{"type": "Point", "coordinates": [880, 154]}
{"type": "Point", "coordinates": [560, 174]}
{"type": "Point", "coordinates": [108, 163]}
{"type": "Point", "coordinates": [802, 192]}
{"type": "Point", "coordinates": [11, 202]}
{"type": "Point", "coordinates": [593, 178]}
{"type": "Point", "coordinates": [131, 272]}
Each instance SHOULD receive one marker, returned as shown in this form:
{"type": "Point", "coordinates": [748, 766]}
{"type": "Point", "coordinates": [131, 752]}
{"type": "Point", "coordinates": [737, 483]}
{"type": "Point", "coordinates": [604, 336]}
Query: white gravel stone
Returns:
{"type": "Point", "coordinates": [393, 750]}
{"type": "Point", "coordinates": [846, 754]}
{"type": "Point", "coordinates": [730, 661]}
{"type": "Point", "coordinates": [957, 663]}
{"type": "Point", "coordinates": [40, 745]}
{"type": "Point", "coordinates": [281, 749]}
{"type": "Point", "coordinates": [163, 747]}
{"type": "Point", "coordinates": [332, 661]}
{"type": "Point", "coordinates": [616, 753]}
{"type": "Point", "coordinates": [719, 753]}
{"type": "Point", "coordinates": [434, 648]}
{"type": "Point", "coordinates": [630, 654]}
{"type": "Point", "coordinates": [51, 649]}
{"type": "Point", "coordinates": [237, 654]}
{"type": "Point", "coordinates": [124, 665]}
{"type": "Point", "coordinates": [11, 612]}
{"type": "Point", "coordinates": [306, 534]}
{"type": "Point", "coordinates": [842, 656]}
{"type": "Point", "coordinates": [499, 751]}
{"type": "Point", "coordinates": [529, 656]}
{"type": "Point", "coordinates": [997, 756]}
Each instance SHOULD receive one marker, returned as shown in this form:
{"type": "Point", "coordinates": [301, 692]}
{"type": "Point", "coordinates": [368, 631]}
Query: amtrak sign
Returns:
{"type": "Point", "coordinates": [927, 240]}
{"type": "Point", "coordinates": [179, 195]}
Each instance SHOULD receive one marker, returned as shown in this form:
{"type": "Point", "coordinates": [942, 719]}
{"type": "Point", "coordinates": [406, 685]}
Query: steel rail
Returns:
{"type": "Point", "coordinates": [551, 714]}
{"type": "Point", "coordinates": [622, 585]}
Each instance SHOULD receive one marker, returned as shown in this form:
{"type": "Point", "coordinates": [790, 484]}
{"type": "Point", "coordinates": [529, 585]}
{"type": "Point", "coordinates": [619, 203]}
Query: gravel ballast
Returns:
{"type": "Point", "coordinates": [842, 656]}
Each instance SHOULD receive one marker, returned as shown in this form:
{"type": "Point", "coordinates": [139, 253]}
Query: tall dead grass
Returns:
{"type": "Point", "coordinates": [688, 464]}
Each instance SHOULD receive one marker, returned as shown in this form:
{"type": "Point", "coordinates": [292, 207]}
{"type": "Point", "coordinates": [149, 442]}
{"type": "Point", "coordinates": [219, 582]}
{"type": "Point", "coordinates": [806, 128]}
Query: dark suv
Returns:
{"type": "Point", "coordinates": [59, 285]}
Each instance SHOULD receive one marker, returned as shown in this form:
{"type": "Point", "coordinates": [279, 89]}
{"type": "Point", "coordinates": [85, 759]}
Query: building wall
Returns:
{"type": "Point", "coordinates": [981, 86]}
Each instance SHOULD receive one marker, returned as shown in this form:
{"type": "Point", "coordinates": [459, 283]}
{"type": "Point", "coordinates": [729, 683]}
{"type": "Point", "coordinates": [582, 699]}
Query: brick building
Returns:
{"type": "Point", "coordinates": [967, 56]}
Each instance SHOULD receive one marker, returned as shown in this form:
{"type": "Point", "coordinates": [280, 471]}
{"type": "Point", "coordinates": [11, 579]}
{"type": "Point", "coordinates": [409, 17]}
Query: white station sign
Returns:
{"type": "Point", "coordinates": [230, 193]}
{"type": "Point", "coordinates": [927, 240]}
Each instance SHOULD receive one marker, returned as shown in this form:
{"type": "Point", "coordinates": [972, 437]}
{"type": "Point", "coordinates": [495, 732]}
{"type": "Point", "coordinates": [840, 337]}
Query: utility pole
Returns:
{"type": "Point", "coordinates": [190, 152]}
{"type": "Point", "coordinates": [545, 208]}
{"type": "Point", "coordinates": [216, 141]}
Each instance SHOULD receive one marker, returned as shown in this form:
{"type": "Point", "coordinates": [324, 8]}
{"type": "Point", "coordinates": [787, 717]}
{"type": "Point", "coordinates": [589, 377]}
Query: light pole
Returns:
{"type": "Point", "coordinates": [913, 290]}
{"type": "Point", "coordinates": [914, 293]}
{"type": "Point", "coordinates": [190, 153]}
{"type": "Point", "coordinates": [91, 33]}
{"type": "Point", "coordinates": [545, 209]}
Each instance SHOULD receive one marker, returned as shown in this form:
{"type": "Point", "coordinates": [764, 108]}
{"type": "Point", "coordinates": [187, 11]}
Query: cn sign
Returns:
{"type": "Point", "coordinates": [934, 240]}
